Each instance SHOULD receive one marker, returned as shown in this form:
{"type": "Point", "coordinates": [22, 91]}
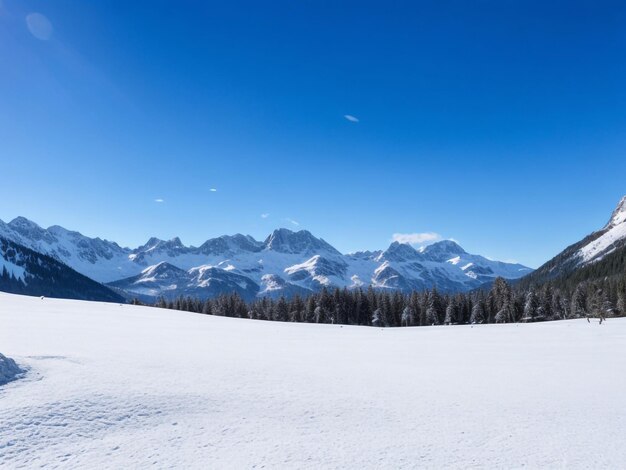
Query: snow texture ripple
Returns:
{"type": "Point", "coordinates": [113, 386]}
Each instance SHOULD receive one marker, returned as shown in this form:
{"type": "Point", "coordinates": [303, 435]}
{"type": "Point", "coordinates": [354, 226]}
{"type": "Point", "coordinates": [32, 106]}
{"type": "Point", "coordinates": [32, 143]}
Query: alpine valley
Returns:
{"type": "Point", "coordinates": [285, 263]}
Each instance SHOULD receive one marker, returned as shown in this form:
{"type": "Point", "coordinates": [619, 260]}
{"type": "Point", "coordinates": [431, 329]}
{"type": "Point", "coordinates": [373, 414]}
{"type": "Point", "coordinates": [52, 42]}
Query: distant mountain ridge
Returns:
{"type": "Point", "coordinates": [285, 263]}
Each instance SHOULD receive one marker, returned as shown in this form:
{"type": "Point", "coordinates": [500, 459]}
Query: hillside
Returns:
{"type": "Point", "coordinates": [194, 391]}
{"type": "Point", "coordinates": [24, 271]}
{"type": "Point", "coordinates": [598, 255]}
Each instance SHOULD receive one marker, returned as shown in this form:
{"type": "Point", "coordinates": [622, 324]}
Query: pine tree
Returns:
{"type": "Point", "coordinates": [431, 315]}
{"type": "Point", "coordinates": [621, 304]}
{"type": "Point", "coordinates": [530, 306]}
{"type": "Point", "coordinates": [579, 302]}
{"type": "Point", "coordinates": [478, 313]}
{"type": "Point", "coordinates": [503, 301]}
{"type": "Point", "coordinates": [452, 312]}
{"type": "Point", "coordinates": [281, 312]}
{"type": "Point", "coordinates": [376, 321]}
{"type": "Point", "coordinates": [606, 306]}
{"type": "Point", "coordinates": [407, 316]}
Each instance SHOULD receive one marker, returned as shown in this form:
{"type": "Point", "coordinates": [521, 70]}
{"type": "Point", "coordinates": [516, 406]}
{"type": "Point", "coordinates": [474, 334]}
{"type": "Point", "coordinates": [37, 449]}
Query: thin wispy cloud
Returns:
{"type": "Point", "coordinates": [416, 238]}
{"type": "Point", "coordinates": [292, 222]}
{"type": "Point", "coordinates": [351, 118]}
{"type": "Point", "coordinates": [39, 26]}
{"type": "Point", "coordinates": [265, 216]}
{"type": "Point", "coordinates": [159, 200]}
{"type": "Point", "coordinates": [213, 190]}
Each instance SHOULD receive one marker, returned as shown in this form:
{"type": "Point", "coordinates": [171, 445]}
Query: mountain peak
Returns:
{"type": "Point", "coordinates": [284, 240]}
{"type": "Point", "coordinates": [162, 269]}
{"type": "Point", "coordinates": [23, 223]}
{"type": "Point", "coordinates": [30, 230]}
{"type": "Point", "coordinates": [399, 252]}
{"type": "Point", "coordinates": [230, 244]}
{"type": "Point", "coordinates": [175, 242]}
{"type": "Point", "coordinates": [151, 243]}
{"type": "Point", "coordinates": [443, 250]}
{"type": "Point", "coordinates": [619, 214]}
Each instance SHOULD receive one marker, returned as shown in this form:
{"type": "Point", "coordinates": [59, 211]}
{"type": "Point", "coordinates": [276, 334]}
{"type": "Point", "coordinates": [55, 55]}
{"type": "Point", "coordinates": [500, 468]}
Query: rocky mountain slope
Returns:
{"type": "Point", "coordinates": [24, 271]}
{"type": "Point", "coordinates": [600, 252]}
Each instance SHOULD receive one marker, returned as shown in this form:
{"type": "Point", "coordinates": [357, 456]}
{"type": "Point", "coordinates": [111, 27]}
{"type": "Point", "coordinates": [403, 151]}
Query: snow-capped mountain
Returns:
{"type": "Point", "coordinates": [98, 259]}
{"type": "Point", "coordinates": [286, 263]}
{"type": "Point", "coordinates": [24, 271]}
{"type": "Point", "coordinates": [594, 248]}
{"type": "Point", "coordinates": [166, 280]}
{"type": "Point", "coordinates": [610, 238]}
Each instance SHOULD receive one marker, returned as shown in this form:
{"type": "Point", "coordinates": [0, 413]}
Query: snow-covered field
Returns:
{"type": "Point", "coordinates": [113, 386]}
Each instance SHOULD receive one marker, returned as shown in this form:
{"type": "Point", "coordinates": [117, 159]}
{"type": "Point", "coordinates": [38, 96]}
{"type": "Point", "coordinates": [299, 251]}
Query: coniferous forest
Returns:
{"type": "Point", "coordinates": [503, 303]}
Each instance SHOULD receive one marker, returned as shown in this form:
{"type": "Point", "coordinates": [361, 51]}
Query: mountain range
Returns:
{"type": "Point", "coordinates": [64, 263]}
{"type": "Point", "coordinates": [285, 263]}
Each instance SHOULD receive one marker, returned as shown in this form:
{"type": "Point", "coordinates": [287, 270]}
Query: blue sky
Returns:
{"type": "Point", "coordinates": [499, 124]}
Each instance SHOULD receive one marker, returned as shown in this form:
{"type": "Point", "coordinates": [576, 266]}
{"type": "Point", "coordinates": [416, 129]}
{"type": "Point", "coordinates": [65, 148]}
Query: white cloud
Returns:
{"type": "Point", "coordinates": [291, 221]}
{"type": "Point", "coordinates": [416, 238]}
{"type": "Point", "coordinates": [213, 190]}
{"type": "Point", "coordinates": [159, 200]}
{"type": "Point", "coordinates": [351, 118]}
{"type": "Point", "coordinates": [39, 26]}
{"type": "Point", "coordinates": [265, 216]}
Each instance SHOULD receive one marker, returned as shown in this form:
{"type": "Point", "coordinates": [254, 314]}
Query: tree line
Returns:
{"type": "Point", "coordinates": [503, 303]}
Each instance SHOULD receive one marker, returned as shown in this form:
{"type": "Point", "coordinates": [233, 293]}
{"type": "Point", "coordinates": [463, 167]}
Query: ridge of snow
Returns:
{"type": "Point", "coordinates": [614, 231]}
{"type": "Point", "coordinates": [9, 370]}
{"type": "Point", "coordinates": [619, 214]}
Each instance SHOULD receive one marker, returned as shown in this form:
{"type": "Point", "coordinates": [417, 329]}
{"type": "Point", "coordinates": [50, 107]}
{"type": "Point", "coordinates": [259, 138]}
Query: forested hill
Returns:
{"type": "Point", "coordinates": [24, 271]}
{"type": "Point", "coordinates": [597, 256]}
{"type": "Point", "coordinates": [610, 266]}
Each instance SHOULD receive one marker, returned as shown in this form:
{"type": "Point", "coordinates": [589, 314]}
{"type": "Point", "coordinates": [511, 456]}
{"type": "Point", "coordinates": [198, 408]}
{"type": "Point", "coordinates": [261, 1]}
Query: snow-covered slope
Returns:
{"type": "Point", "coordinates": [591, 249]}
{"type": "Point", "coordinates": [9, 370]}
{"type": "Point", "coordinates": [166, 280]}
{"type": "Point", "coordinates": [286, 262]}
{"type": "Point", "coordinates": [25, 271]}
{"type": "Point", "coordinates": [112, 386]}
{"type": "Point", "coordinates": [611, 237]}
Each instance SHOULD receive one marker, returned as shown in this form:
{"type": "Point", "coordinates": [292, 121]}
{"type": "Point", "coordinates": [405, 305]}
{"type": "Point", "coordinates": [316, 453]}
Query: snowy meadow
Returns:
{"type": "Point", "coordinates": [121, 386]}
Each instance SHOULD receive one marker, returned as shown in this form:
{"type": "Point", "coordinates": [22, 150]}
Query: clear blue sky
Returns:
{"type": "Point", "coordinates": [501, 124]}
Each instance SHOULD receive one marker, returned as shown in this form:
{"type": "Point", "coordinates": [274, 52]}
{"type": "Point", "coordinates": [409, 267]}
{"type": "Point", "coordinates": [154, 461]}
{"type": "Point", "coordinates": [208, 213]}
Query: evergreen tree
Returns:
{"type": "Point", "coordinates": [478, 313]}
{"type": "Point", "coordinates": [407, 316]}
{"type": "Point", "coordinates": [281, 312]}
{"type": "Point", "coordinates": [452, 312]}
{"type": "Point", "coordinates": [621, 304]}
{"type": "Point", "coordinates": [579, 302]}
{"type": "Point", "coordinates": [530, 306]}
{"type": "Point", "coordinates": [376, 320]}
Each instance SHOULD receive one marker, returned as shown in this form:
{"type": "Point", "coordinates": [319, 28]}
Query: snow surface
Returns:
{"type": "Point", "coordinates": [603, 245]}
{"type": "Point", "coordinates": [113, 386]}
{"type": "Point", "coordinates": [614, 232]}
